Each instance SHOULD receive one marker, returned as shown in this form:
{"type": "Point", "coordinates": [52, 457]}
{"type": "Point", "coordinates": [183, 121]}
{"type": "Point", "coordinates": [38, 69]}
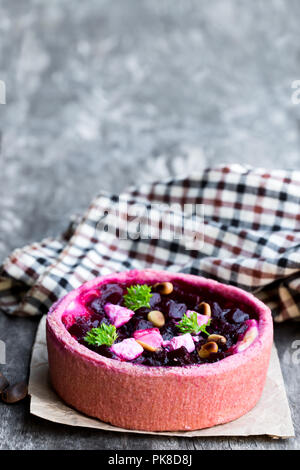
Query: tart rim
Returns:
{"type": "Point", "coordinates": [65, 340]}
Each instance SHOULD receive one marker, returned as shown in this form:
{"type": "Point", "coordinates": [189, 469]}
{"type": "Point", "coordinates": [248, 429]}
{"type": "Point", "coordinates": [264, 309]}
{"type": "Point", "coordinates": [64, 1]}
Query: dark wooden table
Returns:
{"type": "Point", "coordinates": [108, 94]}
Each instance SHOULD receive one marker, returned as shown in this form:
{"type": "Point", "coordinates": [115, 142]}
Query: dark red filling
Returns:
{"type": "Point", "coordinates": [227, 319]}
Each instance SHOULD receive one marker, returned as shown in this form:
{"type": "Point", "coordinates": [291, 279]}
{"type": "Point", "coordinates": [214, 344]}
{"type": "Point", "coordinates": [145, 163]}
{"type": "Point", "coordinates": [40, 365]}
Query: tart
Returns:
{"type": "Point", "coordinates": [159, 351]}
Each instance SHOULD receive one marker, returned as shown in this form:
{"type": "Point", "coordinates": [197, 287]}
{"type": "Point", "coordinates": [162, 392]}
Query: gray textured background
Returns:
{"type": "Point", "coordinates": [102, 94]}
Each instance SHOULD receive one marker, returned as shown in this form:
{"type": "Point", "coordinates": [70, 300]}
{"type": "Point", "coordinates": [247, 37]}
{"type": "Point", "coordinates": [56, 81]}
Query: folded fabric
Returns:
{"type": "Point", "coordinates": [248, 235]}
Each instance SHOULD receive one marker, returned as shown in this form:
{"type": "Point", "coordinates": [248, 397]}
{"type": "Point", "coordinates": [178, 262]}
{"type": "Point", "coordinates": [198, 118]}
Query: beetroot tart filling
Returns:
{"type": "Point", "coordinates": [159, 351]}
{"type": "Point", "coordinates": [161, 324]}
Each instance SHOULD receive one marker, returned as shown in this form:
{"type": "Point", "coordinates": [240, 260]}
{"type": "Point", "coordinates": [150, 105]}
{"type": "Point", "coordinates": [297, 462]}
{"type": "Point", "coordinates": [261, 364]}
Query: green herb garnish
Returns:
{"type": "Point", "coordinates": [138, 296]}
{"type": "Point", "coordinates": [105, 334]}
{"type": "Point", "coordinates": [190, 325]}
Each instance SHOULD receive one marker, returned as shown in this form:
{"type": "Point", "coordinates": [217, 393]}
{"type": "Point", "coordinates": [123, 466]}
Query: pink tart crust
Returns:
{"type": "Point", "coordinates": [160, 398]}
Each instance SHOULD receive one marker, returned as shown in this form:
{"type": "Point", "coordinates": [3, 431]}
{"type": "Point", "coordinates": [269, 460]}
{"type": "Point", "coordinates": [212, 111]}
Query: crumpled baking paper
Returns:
{"type": "Point", "coordinates": [271, 416]}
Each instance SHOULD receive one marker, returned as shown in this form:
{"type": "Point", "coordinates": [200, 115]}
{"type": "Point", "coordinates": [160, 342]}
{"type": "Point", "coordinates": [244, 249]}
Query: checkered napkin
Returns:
{"type": "Point", "coordinates": [248, 236]}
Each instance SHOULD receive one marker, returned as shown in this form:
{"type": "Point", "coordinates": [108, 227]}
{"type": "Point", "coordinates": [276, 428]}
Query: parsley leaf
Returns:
{"type": "Point", "coordinates": [190, 325]}
{"type": "Point", "coordinates": [138, 296]}
{"type": "Point", "coordinates": [105, 334]}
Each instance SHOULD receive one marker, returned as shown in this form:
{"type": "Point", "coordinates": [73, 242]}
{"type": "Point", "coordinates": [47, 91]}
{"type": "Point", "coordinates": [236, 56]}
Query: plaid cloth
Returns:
{"type": "Point", "coordinates": [251, 240]}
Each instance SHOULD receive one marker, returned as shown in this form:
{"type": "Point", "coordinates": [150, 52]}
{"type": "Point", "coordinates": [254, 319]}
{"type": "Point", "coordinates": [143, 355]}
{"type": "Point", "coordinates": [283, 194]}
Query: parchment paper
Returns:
{"type": "Point", "coordinates": [271, 416]}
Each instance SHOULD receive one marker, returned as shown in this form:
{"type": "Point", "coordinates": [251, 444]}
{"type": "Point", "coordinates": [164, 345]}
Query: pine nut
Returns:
{"type": "Point", "coordinates": [207, 349]}
{"type": "Point", "coordinates": [217, 339]}
{"type": "Point", "coordinates": [157, 318]}
{"type": "Point", "coordinates": [146, 346]}
{"type": "Point", "coordinates": [164, 288]}
{"type": "Point", "coordinates": [205, 309]}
